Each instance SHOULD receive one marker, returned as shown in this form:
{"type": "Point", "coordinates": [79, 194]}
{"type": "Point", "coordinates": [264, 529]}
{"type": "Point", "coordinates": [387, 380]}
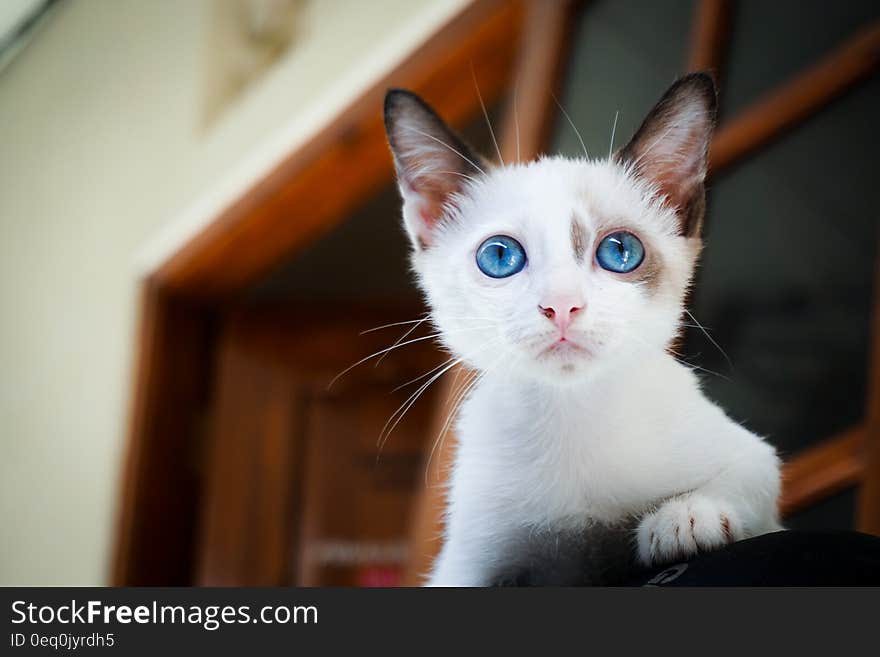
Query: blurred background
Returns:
{"type": "Point", "coordinates": [198, 223]}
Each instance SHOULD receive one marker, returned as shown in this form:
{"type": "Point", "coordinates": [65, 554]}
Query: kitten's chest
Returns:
{"type": "Point", "coordinates": [556, 463]}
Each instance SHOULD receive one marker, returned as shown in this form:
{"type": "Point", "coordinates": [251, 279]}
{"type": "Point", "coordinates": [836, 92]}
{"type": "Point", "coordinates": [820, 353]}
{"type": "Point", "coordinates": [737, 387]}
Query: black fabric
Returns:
{"type": "Point", "coordinates": [787, 558]}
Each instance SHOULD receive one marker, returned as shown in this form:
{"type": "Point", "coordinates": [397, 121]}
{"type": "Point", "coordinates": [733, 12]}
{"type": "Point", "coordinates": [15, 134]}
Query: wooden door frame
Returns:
{"type": "Point", "coordinates": [274, 364]}
{"type": "Point", "coordinates": [182, 301]}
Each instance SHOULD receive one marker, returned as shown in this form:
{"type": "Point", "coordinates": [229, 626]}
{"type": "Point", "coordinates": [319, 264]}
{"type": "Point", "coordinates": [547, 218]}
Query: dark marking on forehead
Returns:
{"type": "Point", "coordinates": [578, 241]}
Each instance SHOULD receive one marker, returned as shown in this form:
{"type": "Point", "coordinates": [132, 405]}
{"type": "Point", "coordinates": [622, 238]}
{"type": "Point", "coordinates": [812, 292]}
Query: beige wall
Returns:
{"type": "Point", "coordinates": [105, 168]}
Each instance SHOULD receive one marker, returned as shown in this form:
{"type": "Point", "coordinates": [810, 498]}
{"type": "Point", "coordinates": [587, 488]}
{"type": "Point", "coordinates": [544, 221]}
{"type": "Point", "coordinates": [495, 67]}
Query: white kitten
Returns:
{"type": "Point", "coordinates": [562, 282]}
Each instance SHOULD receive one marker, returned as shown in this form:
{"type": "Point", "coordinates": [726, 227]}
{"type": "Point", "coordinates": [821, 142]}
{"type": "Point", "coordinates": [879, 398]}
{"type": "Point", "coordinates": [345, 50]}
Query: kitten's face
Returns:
{"type": "Point", "coordinates": [555, 269]}
{"type": "Point", "coordinates": [563, 313]}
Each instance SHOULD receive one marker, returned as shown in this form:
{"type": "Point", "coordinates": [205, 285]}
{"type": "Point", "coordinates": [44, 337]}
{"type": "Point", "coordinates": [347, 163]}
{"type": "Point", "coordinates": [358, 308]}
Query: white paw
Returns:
{"type": "Point", "coordinates": [683, 526]}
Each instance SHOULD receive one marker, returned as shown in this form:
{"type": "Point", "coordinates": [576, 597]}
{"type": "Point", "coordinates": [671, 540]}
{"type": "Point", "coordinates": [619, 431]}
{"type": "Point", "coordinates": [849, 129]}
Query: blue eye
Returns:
{"type": "Point", "coordinates": [501, 256]}
{"type": "Point", "coordinates": [620, 252]}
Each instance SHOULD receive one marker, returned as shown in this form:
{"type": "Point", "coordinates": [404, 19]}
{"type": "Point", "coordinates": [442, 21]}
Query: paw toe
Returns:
{"type": "Point", "coordinates": [683, 527]}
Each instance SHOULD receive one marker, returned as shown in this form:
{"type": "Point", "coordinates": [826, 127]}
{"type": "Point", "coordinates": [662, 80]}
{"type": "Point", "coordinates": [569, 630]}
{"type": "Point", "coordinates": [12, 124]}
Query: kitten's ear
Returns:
{"type": "Point", "coordinates": [432, 162]}
{"type": "Point", "coordinates": [671, 147]}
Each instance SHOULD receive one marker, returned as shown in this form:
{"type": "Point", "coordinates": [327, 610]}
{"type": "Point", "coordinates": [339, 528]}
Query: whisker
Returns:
{"type": "Point", "coordinates": [486, 114]}
{"type": "Point", "coordinates": [573, 126]}
{"type": "Point", "coordinates": [385, 326]}
{"type": "Point", "coordinates": [455, 399]}
{"type": "Point", "coordinates": [459, 398]}
{"type": "Point", "coordinates": [679, 358]}
{"type": "Point", "coordinates": [422, 376]}
{"type": "Point", "coordinates": [396, 343]}
{"type": "Point", "coordinates": [711, 339]}
{"type": "Point", "coordinates": [461, 175]}
{"type": "Point", "coordinates": [653, 144]}
{"type": "Point", "coordinates": [444, 144]}
{"type": "Point", "coordinates": [424, 319]}
{"type": "Point", "coordinates": [441, 436]}
{"type": "Point", "coordinates": [484, 346]}
{"type": "Point", "coordinates": [702, 369]}
{"type": "Point", "coordinates": [516, 116]}
{"type": "Point", "coordinates": [457, 386]}
{"type": "Point", "coordinates": [379, 353]}
{"type": "Point", "coordinates": [613, 130]}
{"type": "Point", "coordinates": [404, 408]}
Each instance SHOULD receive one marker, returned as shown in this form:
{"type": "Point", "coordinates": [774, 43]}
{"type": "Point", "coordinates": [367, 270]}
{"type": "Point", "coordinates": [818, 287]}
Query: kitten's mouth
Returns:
{"type": "Point", "coordinates": [565, 347]}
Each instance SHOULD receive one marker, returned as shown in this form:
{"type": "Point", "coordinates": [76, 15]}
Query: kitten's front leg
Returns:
{"type": "Point", "coordinates": [738, 503]}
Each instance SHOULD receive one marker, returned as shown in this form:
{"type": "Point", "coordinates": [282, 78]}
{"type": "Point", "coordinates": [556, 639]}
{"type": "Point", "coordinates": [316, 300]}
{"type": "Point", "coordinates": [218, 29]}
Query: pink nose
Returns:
{"type": "Point", "coordinates": [562, 314]}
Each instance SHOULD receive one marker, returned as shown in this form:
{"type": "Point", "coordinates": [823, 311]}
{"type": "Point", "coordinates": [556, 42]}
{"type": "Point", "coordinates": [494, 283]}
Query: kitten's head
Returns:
{"type": "Point", "coordinates": [555, 269]}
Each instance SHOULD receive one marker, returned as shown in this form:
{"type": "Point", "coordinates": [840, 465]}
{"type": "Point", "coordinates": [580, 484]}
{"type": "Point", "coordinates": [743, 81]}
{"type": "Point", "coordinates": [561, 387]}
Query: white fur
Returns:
{"type": "Point", "coordinates": [564, 439]}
